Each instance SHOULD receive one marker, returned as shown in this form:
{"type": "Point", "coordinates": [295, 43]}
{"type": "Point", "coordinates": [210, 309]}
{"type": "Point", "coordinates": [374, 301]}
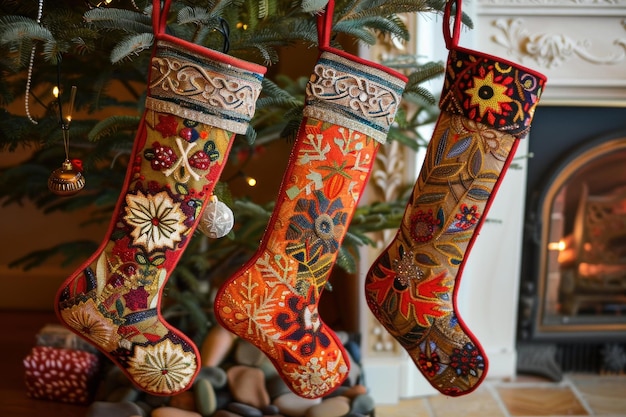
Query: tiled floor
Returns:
{"type": "Point", "coordinates": [575, 395]}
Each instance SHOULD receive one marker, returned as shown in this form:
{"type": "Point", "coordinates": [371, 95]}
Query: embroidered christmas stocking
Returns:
{"type": "Point", "coordinates": [273, 300]}
{"type": "Point", "coordinates": [197, 100]}
{"type": "Point", "coordinates": [487, 104]}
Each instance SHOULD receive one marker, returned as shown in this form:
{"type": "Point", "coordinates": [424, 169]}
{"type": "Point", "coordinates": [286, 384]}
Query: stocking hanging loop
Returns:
{"type": "Point", "coordinates": [452, 39]}
{"type": "Point", "coordinates": [325, 24]}
{"type": "Point", "coordinates": [159, 15]}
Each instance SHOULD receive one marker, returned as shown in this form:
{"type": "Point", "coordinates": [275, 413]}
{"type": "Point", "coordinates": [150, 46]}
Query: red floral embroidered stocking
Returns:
{"type": "Point", "coordinates": [487, 104]}
{"type": "Point", "coordinates": [197, 100]}
{"type": "Point", "coordinates": [273, 300]}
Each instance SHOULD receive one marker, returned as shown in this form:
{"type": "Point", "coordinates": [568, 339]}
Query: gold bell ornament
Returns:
{"type": "Point", "coordinates": [66, 180]}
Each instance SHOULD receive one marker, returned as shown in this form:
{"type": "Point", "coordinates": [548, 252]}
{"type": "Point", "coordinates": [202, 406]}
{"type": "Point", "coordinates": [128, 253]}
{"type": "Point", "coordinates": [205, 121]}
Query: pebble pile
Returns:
{"type": "Point", "coordinates": [236, 380]}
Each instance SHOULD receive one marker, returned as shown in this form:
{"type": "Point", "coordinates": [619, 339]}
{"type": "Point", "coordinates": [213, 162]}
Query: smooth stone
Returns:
{"type": "Point", "coordinates": [343, 337]}
{"type": "Point", "coordinates": [247, 385]}
{"type": "Point", "coordinates": [244, 410]}
{"type": "Point", "coordinates": [225, 413]}
{"type": "Point", "coordinates": [268, 368]}
{"type": "Point", "coordinates": [332, 407]}
{"type": "Point", "coordinates": [216, 376]}
{"type": "Point", "coordinates": [119, 409]}
{"type": "Point", "coordinates": [354, 373]}
{"type": "Point", "coordinates": [123, 394]}
{"type": "Point", "coordinates": [293, 405]}
{"type": "Point", "coordinates": [276, 386]}
{"type": "Point", "coordinates": [184, 400]}
{"type": "Point", "coordinates": [114, 378]}
{"type": "Point", "coordinates": [355, 350]}
{"type": "Point", "coordinates": [147, 408]}
{"type": "Point", "coordinates": [354, 391]}
{"type": "Point", "coordinates": [223, 397]}
{"type": "Point", "coordinates": [205, 399]}
{"type": "Point", "coordinates": [155, 401]}
{"type": "Point", "coordinates": [363, 404]}
{"type": "Point", "coordinates": [270, 410]}
{"type": "Point", "coordinates": [172, 412]}
{"type": "Point", "coordinates": [337, 391]}
{"type": "Point", "coordinates": [248, 354]}
{"type": "Point", "coordinates": [216, 346]}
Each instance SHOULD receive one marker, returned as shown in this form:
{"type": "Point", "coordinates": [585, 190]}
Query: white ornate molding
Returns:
{"type": "Point", "coordinates": [552, 2]}
{"type": "Point", "coordinates": [551, 50]}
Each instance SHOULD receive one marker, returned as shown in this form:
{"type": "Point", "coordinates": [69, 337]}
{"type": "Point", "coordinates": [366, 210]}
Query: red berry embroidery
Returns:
{"type": "Point", "coordinates": [200, 160]}
{"type": "Point", "coordinates": [160, 157]}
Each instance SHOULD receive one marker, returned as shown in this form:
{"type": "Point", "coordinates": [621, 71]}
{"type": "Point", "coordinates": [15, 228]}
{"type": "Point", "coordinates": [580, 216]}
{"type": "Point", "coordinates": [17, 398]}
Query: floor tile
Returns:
{"type": "Point", "coordinates": [541, 401]}
{"type": "Point", "coordinates": [414, 407]}
{"type": "Point", "coordinates": [605, 395]}
{"type": "Point", "coordinates": [479, 403]}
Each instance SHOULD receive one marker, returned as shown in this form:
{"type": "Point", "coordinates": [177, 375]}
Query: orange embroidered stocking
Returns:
{"type": "Point", "coordinates": [197, 100]}
{"type": "Point", "coordinates": [487, 104]}
{"type": "Point", "coordinates": [272, 301]}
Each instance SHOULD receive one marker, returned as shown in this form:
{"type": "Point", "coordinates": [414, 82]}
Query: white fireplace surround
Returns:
{"type": "Point", "coordinates": [581, 46]}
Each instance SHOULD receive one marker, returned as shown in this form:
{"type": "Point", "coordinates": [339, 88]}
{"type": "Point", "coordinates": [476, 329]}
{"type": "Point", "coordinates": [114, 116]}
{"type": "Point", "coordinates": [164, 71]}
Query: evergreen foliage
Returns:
{"type": "Point", "coordinates": [104, 51]}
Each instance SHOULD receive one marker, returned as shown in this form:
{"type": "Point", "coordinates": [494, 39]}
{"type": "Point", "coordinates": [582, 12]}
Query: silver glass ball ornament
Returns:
{"type": "Point", "coordinates": [217, 220]}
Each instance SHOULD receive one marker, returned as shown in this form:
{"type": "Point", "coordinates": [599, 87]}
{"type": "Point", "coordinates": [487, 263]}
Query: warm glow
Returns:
{"type": "Point", "coordinates": [242, 26]}
{"type": "Point", "coordinates": [560, 245]}
{"type": "Point", "coordinates": [251, 181]}
{"type": "Point", "coordinates": [55, 91]}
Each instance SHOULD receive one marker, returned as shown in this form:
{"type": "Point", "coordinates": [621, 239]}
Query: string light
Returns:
{"type": "Point", "coordinates": [29, 76]}
{"type": "Point", "coordinates": [101, 3]}
{"type": "Point", "coordinates": [250, 181]}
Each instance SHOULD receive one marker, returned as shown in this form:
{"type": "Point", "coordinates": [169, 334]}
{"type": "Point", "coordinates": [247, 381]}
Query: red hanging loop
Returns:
{"type": "Point", "coordinates": [452, 39]}
{"type": "Point", "coordinates": [325, 24]}
{"type": "Point", "coordinates": [159, 16]}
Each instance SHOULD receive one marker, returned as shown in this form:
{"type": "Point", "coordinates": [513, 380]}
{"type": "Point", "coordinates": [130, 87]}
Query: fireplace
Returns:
{"type": "Point", "coordinates": [572, 314]}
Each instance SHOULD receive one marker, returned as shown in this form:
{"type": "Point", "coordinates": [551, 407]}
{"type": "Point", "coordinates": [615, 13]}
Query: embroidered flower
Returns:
{"type": "Point", "coordinates": [167, 126]}
{"type": "Point", "coordinates": [158, 221]}
{"type": "Point", "coordinates": [418, 302]}
{"type": "Point", "coordinates": [489, 95]}
{"type": "Point", "coordinates": [314, 379]}
{"type": "Point", "coordinates": [429, 362]}
{"type": "Point", "coordinates": [162, 367]}
{"type": "Point", "coordinates": [468, 217]}
{"type": "Point", "coordinates": [303, 322]}
{"type": "Point", "coordinates": [319, 222]}
{"type": "Point", "coordinates": [137, 299]}
{"type": "Point", "coordinates": [467, 361]}
{"type": "Point", "coordinates": [87, 320]}
{"type": "Point", "coordinates": [423, 226]}
{"type": "Point", "coordinates": [406, 269]}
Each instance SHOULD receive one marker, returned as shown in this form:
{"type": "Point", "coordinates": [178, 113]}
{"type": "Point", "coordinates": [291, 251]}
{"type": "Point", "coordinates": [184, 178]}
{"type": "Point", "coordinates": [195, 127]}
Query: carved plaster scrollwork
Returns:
{"type": "Point", "coordinates": [551, 50]}
{"type": "Point", "coordinates": [550, 2]}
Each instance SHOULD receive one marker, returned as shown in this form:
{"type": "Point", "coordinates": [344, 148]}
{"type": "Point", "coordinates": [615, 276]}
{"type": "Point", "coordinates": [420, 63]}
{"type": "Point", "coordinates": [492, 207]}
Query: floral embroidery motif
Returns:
{"type": "Point", "coordinates": [423, 226]}
{"type": "Point", "coordinates": [320, 222]}
{"type": "Point", "coordinates": [467, 360]}
{"type": "Point", "coordinates": [406, 269]}
{"type": "Point", "coordinates": [490, 96]}
{"type": "Point", "coordinates": [158, 221]}
{"type": "Point", "coordinates": [88, 321]}
{"type": "Point", "coordinates": [163, 366]}
{"type": "Point", "coordinates": [468, 217]}
{"type": "Point", "coordinates": [429, 360]}
{"type": "Point", "coordinates": [490, 92]}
